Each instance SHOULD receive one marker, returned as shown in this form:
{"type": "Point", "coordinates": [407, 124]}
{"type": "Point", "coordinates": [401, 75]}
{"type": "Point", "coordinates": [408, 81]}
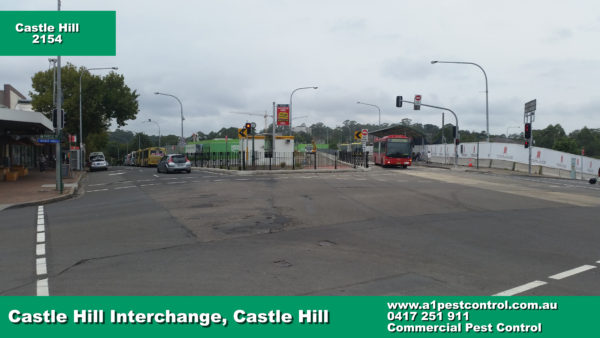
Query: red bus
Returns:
{"type": "Point", "coordinates": [392, 150]}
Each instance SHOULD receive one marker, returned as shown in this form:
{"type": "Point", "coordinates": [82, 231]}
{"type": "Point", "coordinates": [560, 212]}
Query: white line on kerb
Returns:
{"type": "Point", "coordinates": [521, 288]}
{"type": "Point", "coordinates": [572, 272]}
{"type": "Point", "coordinates": [42, 287]}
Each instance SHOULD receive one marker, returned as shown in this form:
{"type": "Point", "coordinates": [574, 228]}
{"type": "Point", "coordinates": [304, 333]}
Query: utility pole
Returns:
{"type": "Point", "coordinates": [59, 117]}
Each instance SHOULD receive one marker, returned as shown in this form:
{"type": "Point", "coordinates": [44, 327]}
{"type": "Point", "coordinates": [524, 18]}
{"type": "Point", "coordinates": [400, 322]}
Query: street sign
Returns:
{"type": "Point", "coordinates": [417, 104]}
{"type": "Point", "coordinates": [46, 140]}
{"type": "Point", "coordinates": [242, 133]}
{"type": "Point", "coordinates": [358, 135]}
{"type": "Point", "coordinates": [365, 132]}
{"type": "Point", "coordinates": [530, 106]}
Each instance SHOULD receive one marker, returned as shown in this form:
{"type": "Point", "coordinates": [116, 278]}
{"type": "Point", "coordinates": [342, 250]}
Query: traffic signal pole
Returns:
{"type": "Point", "coordinates": [456, 138]}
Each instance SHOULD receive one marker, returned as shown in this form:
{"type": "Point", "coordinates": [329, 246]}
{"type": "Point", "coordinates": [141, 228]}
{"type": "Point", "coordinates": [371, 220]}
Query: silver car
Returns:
{"type": "Point", "coordinates": [98, 162]}
{"type": "Point", "coordinates": [173, 163]}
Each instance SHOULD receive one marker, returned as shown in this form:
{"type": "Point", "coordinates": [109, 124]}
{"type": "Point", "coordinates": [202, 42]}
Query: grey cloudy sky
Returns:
{"type": "Point", "coordinates": [224, 56]}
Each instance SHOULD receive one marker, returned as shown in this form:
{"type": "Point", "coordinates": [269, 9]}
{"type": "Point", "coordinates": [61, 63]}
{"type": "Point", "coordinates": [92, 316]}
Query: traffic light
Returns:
{"type": "Point", "coordinates": [526, 143]}
{"type": "Point", "coordinates": [527, 131]}
{"type": "Point", "coordinates": [399, 101]}
{"type": "Point", "coordinates": [457, 141]}
{"type": "Point", "coordinates": [55, 118]}
{"type": "Point", "coordinates": [248, 128]}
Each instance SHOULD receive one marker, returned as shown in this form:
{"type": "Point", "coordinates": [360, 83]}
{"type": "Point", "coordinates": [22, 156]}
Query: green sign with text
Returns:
{"type": "Point", "coordinates": [47, 33]}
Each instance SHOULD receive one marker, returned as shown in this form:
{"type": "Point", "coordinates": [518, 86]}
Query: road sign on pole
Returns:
{"type": "Point", "coordinates": [417, 105]}
{"type": "Point", "coordinates": [358, 135]}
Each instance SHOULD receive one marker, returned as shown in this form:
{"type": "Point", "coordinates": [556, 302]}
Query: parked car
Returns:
{"type": "Point", "coordinates": [98, 162]}
{"type": "Point", "coordinates": [173, 163]}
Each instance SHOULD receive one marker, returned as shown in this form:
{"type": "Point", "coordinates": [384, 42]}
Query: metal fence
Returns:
{"type": "Point", "coordinates": [278, 160]}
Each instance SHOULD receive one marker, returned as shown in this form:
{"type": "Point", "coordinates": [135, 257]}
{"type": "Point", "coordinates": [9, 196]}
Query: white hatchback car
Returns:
{"type": "Point", "coordinates": [98, 162]}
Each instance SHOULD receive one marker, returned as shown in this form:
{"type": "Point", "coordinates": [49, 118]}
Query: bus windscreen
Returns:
{"type": "Point", "coordinates": [398, 147]}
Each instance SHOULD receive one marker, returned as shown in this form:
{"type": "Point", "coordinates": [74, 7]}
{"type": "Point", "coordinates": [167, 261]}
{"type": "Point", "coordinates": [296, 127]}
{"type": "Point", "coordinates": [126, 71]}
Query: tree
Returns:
{"type": "Point", "coordinates": [104, 99]}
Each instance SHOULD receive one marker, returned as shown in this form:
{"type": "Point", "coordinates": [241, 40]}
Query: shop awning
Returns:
{"type": "Point", "coordinates": [21, 122]}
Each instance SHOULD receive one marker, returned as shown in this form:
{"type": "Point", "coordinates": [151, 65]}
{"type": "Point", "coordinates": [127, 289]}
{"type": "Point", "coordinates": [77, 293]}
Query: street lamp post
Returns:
{"type": "Point", "coordinates": [487, 115]}
{"type": "Point", "coordinates": [150, 120]}
{"type": "Point", "coordinates": [291, 95]}
{"type": "Point", "coordinates": [372, 105]}
{"type": "Point", "coordinates": [181, 106]}
{"type": "Point", "coordinates": [81, 105]}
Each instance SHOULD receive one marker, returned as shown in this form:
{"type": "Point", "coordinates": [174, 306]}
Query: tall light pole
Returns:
{"type": "Point", "coordinates": [181, 106]}
{"type": "Point", "coordinates": [150, 120]}
{"type": "Point", "coordinates": [487, 115]}
{"type": "Point", "coordinates": [372, 105]}
{"type": "Point", "coordinates": [291, 95]}
{"type": "Point", "coordinates": [80, 104]}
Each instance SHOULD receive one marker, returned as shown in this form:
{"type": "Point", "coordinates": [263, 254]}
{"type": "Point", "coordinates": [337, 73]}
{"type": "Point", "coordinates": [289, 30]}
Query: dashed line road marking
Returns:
{"type": "Point", "coordinates": [42, 287]}
{"type": "Point", "coordinates": [40, 249]}
{"type": "Point", "coordinates": [40, 227]}
{"type": "Point", "coordinates": [41, 237]}
{"type": "Point", "coordinates": [147, 185]}
{"type": "Point", "coordinates": [40, 266]}
{"type": "Point", "coordinates": [572, 272]}
{"type": "Point", "coordinates": [177, 183]}
{"type": "Point", "coordinates": [127, 187]}
{"type": "Point", "coordinates": [94, 185]}
{"type": "Point", "coordinates": [522, 288]}
{"type": "Point", "coordinates": [98, 190]}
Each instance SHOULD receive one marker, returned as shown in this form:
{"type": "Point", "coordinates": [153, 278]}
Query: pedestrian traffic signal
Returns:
{"type": "Point", "coordinates": [248, 128]}
{"type": "Point", "coordinates": [399, 101]}
{"type": "Point", "coordinates": [456, 141]}
{"type": "Point", "coordinates": [527, 130]}
{"type": "Point", "coordinates": [526, 143]}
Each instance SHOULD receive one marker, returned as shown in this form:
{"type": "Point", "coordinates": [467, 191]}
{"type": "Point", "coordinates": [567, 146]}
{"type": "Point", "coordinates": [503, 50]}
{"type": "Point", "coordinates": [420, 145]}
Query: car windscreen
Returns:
{"type": "Point", "coordinates": [178, 158]}
{"type": "Point", "coordinates": [398, 148]}
{"type": "Point", "coordinates": [96, 158]}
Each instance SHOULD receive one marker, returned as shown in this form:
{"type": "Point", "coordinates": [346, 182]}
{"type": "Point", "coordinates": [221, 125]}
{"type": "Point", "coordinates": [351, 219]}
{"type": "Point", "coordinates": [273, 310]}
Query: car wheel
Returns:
{"type": "Point", "coordinates": [189, 171]}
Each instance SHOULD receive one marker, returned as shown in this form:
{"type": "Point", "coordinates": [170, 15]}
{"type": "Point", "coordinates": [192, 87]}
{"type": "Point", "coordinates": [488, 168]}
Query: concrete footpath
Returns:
{"type": "Point", "coordinates": [37, 188]}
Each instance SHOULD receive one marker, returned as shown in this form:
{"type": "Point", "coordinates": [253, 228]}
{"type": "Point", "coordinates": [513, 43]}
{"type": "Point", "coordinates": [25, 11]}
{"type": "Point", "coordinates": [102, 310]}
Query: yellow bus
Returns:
{"type": "Point", "coordinates": [150, 157]}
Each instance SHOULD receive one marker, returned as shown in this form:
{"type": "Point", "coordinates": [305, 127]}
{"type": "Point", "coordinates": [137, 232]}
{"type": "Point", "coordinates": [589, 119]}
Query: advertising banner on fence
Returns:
{"type": "Point", "coordinates": [283, 114]}
{"type": "Point", "coordinates": [512, 152]}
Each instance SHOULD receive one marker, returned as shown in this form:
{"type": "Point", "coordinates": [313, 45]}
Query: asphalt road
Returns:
{"type": "Point", "coordinates": [421, 231]}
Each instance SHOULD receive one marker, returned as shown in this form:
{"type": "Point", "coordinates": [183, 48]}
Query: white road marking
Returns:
{"type": "Point", "coordinates": [176, 183]}
{"type": "Point", "coordinates": [40, 249]}
{"type": "Point", "coordinates": [40, 266]}
{"type": "Point", "coordinates": [522, 288]}
{"type": "Point", "coordinates": [40, 227]}
{"type": "Point", "coordinates": [127, 187]}
{"type": "Point", "coordinates": [115, 174]}
{"type": "Point", "coordinates": [41, 237]}
{"type": "Point", "coordinates": [148, 184]}
{"type": "Point", "coordinates": [155, 175]}
{"type": "Point", "coordinates": [146, 180]}
{"type": "Point", "coordinates": [42, 287]}
{"type": "Point", "coordinates": [98, 190]}
{"type": "Point", "coordinates": [217, 180]}
{"type": "Point", "coordinates": [572, 272]}
{"type": "Point", "coordinates": [93, 185]}
{"type": "Point", "coordinates": [242, 179]}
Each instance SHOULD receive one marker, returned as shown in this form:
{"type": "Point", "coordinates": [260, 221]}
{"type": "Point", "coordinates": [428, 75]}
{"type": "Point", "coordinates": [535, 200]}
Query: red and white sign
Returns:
{"type": "Point", "coordinates": [365, 132]}
{"type": "Point", "coordinates": [283, 114]}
